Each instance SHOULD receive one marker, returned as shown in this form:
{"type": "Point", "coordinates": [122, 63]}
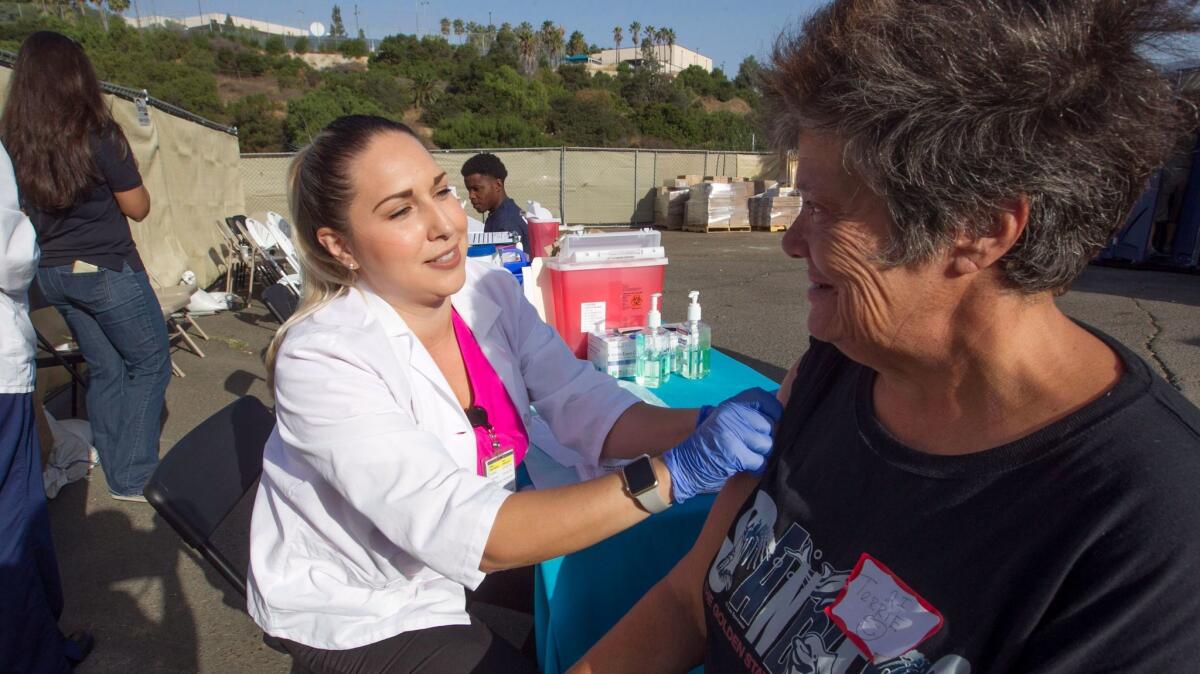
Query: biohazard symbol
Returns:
{"type": "Point", "coordinates": [636, 301]}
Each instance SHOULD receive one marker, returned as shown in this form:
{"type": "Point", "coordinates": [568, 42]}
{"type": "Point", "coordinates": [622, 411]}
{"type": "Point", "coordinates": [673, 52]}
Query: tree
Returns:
{"type": "Point", "coordinates": [313, 111]}
{"type": "Point", "coordinates": [590, 118]}
{"type": "Point", "coordinates": [617, 41]}
{"type": "Point", "coordinates": [749, 74]}
{"type": "Point", "coordinates": [550, 42]}
{"type": "Point", "coordinates": [229, 27]}
{"type": "Point", "coordinates": [274, 46]}
{"type": "Point", "coordinates": [424, 89]}
{"type": "Point", "coordinates": [576, 45]}
{"type": "Point", "coordinates": [527, 47]}
{"type": "Point", "coordinates": [354, 48]}
{"type": "Point", "coordinates": [459, 29]}
{"type": "Point", "coordinates": [648, 44]}
{"type": "Point", "coordinates": [259, 123]}
{"type": "Point", "coordinates": [635, 31]}
{"type": "Point", "coordinates": [444, 24]}
{"type": "Point", "coordinates": [300, 46]}
{"type": "Point", "coordinates": [336, 28]}
{"type": "Point", "coordinates": [469, 130]}
{"type": "Point", "coordinates": [670, 35]}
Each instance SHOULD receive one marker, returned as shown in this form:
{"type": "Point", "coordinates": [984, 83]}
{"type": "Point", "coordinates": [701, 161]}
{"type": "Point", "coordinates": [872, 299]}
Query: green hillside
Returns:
{"type": "Point", "coordinates": [478, 86]}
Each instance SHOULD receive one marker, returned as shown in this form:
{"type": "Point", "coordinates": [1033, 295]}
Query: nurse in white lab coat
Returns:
{"type": "Point", "coordinates": [371, 519]}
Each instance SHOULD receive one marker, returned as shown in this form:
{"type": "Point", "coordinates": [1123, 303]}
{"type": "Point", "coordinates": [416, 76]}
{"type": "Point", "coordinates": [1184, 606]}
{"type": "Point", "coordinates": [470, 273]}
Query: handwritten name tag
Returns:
{"type": "Point", "coordinates": [881, 614]}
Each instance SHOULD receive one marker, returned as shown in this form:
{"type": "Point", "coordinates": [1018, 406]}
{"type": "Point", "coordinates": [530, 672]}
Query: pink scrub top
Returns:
{"type": "Point", "coordinates": [487, 391]}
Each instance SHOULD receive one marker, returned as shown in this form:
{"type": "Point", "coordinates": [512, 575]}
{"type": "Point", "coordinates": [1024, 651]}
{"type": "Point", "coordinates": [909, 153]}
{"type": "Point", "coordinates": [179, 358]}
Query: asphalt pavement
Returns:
{"type": "Point", "coordinates": [155, 606]}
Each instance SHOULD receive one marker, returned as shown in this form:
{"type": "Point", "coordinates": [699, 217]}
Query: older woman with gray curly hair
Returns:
{"type": "Point", "coordinates": [965, 479]}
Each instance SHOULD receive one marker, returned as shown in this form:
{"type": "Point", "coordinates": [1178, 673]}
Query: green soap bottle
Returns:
{"type": "Point", "coordinates": [655, 352]}
{"type": "Point", "coordinates": [694, 342]}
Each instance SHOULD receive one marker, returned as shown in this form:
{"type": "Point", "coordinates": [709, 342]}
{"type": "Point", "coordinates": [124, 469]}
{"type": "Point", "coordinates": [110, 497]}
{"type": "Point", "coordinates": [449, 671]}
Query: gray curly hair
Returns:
{"type": "Point", "coordinates": [951, 108]}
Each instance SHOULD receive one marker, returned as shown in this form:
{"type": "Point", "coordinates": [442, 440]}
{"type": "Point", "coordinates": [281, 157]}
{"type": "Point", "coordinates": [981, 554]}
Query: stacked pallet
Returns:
{"type": "Point", "coordinates": [670, 205]}
{"type": "Point", "coordinates": [774, 210]}
{"type": "Point", "coordinates": [718, 204]}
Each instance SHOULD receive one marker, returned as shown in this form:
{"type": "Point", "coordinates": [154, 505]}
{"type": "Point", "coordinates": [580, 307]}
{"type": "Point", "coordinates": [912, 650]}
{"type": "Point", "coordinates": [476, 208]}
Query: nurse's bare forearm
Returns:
{"type": "Point", "coordinates": [648, 429]}
{"type": "Point", "coordinates": [533, 526]}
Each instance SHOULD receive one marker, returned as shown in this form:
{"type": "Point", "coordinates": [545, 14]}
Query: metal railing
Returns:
{"type": "Point", "coordinates": [8, 59]}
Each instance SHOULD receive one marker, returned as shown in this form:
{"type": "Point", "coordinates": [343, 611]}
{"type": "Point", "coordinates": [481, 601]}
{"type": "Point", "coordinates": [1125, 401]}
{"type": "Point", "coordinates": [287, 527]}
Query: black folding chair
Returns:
{"type": "Point", "coordinates": [204, 476]}
{"type": "Point", "coordinates": [70, 359]}
{"type": "Point", "coordinates": [281, 301]}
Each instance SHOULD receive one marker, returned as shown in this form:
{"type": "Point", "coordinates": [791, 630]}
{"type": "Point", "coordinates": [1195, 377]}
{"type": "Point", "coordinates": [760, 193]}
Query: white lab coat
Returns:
{"type": "Point", "coordinates": [18, 265]}
{"type": "Point", "coordinates": [370, 519]}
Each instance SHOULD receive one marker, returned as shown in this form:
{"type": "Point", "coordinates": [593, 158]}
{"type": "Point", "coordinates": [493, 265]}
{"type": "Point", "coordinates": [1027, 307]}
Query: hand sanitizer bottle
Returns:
{"type": "Point", "coordinates": [695, 342]}
{"type": "Point", "coordinates": [654, 349]}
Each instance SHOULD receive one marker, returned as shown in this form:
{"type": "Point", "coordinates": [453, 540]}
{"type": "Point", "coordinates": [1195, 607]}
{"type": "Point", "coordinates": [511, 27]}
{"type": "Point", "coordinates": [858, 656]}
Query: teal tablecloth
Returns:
{"type": "Point", "coordinates": [580, 596]}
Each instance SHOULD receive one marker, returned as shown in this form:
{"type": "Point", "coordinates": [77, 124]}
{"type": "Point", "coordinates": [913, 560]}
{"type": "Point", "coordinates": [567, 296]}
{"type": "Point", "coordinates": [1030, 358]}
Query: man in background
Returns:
{"type": "Point", "coordinates": [484, 175]}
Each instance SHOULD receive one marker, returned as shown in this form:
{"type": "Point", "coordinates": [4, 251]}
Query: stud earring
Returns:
{"type": "Point", "coordinates": [352, 266]}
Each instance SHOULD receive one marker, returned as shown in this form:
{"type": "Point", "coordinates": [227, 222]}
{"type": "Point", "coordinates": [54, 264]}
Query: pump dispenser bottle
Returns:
{"type": "Point", "coordinates": [655, 351]}
{"type": "Point", "coordinates": [695, 342]}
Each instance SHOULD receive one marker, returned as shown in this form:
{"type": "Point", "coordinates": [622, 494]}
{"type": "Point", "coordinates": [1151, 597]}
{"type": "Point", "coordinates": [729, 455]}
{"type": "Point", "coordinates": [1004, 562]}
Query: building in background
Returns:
{"type": "Point", "coordinates": [205, 20]}
{"type": "Point", "coordinates": [673, 58]}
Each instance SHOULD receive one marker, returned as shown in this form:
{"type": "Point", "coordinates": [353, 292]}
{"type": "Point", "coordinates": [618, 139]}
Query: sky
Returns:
{"type": "Point", "coordinates": [725, 31]}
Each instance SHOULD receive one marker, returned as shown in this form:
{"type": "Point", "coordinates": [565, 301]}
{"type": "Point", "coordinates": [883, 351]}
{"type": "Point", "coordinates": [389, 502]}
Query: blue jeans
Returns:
{"type": "Point", "coordinates": [31, 597]}
{"type": "Point", "coordinates": [118, 323]}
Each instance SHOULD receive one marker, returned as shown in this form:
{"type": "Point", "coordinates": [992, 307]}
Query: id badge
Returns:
{"type": "Point", "coordinates": [501, 469]}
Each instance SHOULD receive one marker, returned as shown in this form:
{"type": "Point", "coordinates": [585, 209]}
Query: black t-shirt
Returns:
{"type": "Point", "coordinates": [94, 229]}
{"type": "Point", "coordinates": [507, 218]}
{"type": "Point", "coordinates": [1075, 549]}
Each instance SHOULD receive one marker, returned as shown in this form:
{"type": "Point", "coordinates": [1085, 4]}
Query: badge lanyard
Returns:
{"type": "Point", "coordinates": [500, 465]}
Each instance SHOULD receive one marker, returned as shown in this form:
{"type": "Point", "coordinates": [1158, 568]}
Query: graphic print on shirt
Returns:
{"type": "Point", "coordinates": [767, 596]}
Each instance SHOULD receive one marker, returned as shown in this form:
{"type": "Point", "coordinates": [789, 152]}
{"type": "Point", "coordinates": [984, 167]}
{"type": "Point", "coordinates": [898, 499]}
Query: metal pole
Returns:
{"type": "Point", "coordinates": [562, 184]}
{"type": "Point", "coordinates": [706, 164]}
{"type": "Point", "coordinates": [633, 218]}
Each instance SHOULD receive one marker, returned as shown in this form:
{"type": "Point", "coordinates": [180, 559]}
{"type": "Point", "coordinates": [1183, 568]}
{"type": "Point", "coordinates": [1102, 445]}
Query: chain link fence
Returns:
{"type": "Point", "coordinates": [583, 186]}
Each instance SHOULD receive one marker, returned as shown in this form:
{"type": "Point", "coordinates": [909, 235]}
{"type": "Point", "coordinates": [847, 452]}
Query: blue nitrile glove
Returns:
{"type": "Point", "coordinates": [734, 437]}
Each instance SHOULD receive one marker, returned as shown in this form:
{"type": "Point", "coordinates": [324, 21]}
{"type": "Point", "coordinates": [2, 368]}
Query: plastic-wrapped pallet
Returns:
{"type": "Point", "coordinates": [773, 213]}
{"type": "Point", "coordinates": [670, 206]}
{"type": "Point", "coordinates": [718, 206]}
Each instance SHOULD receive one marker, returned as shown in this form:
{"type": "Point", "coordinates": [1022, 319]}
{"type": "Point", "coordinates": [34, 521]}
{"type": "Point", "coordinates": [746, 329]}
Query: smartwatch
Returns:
{"type": "Point", "coordinates": [642, 484]}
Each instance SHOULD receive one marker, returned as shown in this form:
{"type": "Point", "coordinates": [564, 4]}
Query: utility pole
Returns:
{"type": "Point", "coordinates": [418, 4]}
{"type": "Point", "coordinates": [357, 30]}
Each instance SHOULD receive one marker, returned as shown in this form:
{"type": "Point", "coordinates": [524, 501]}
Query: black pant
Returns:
{"type": "Point", "coordinates": [495, 641]}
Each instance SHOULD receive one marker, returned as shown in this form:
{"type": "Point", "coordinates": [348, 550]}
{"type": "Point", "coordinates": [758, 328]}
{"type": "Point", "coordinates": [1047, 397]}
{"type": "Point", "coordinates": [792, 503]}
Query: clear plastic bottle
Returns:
{"type": "Point", "coordinates": [655, 351]}
{"type": "Point", "coordinates": [695, 342]}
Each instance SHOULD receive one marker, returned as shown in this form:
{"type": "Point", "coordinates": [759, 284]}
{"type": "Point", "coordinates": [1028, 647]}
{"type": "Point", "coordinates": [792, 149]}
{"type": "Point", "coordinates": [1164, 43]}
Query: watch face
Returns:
{"type": "Point", "coordinates": [639, 476]}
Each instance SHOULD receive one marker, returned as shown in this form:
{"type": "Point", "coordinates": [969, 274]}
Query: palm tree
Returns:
{"type": "Point", "coordinates": [474, 33]}
{"type": "Point", "coordinates": [635, 30]}
{"type": "Point", "coordinates": [527, 47]}
{"type": "Point", "coordinates": [546, 36]}
{"type": "Point", "coordinates": [648, 43]}
{"type": "Point", "coordinates": [671, 48]}
{"type": "Point", "coordinates": [424, 88]}
{"type": "Point", "coordinates": [445, 25]}
{"type": "Point", "coordinates": [560, 34]}
{"type": "Point", "coordinates": [617, 35]}
{"type": "Point", "coordinates": [459, 29]}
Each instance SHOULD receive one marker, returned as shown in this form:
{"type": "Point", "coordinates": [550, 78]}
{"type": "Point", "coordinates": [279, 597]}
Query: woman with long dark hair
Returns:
{"type": "Point", "coordinates": [79, 183]}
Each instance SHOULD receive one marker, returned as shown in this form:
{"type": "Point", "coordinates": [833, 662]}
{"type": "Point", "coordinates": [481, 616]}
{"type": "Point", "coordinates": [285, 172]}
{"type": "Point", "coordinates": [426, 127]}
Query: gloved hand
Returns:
{"type": "Point", "coordinates": [735, 436]}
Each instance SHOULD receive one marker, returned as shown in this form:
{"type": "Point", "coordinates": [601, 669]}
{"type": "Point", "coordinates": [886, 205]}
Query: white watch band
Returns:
{"type": "Point", "coordinates": [649, 498]}
{"type": "Point", "coordinates": [652, 501]}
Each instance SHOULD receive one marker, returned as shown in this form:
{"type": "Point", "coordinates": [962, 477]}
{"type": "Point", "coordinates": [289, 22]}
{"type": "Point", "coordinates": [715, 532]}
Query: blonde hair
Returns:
{"type": "Point", "coordinates": [319, 194]}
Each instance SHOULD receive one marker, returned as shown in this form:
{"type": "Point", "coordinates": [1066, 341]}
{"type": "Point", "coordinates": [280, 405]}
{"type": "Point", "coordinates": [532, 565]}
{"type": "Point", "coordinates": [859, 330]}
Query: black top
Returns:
{"type": "Point", "coordinates": [94, 229]}
{"type": "Point", "coordinates": [507, 218]}
{"type": "Point", "coordinates": [1075, 549]}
